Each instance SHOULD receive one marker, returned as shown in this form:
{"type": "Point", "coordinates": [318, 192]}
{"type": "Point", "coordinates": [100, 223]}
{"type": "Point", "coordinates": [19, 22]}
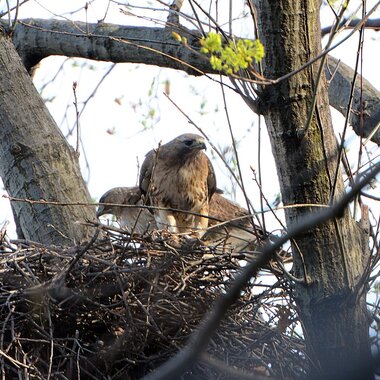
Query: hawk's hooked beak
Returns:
{"type": "Point", "coordinates": [200, 144]}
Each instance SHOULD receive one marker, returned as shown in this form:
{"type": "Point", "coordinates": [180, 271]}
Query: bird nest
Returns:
{"type": "Point", "coordinates": [119, 307]}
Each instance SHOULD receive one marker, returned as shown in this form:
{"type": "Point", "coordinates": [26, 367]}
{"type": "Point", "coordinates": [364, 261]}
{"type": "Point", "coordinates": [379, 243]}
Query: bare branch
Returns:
{"type": "Point", "coordinates": [370, 24]}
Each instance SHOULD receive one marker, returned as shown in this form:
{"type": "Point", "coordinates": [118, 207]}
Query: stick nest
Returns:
{"type": "Point", "coordinates": [117, 308]}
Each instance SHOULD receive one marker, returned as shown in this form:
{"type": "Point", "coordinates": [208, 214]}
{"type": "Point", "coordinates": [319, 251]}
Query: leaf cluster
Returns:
{"type": "Point", "coordinates": [232, 56]}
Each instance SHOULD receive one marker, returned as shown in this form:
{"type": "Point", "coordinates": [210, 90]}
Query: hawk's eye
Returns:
{"type": "Point", "coordinates": [188, 142]}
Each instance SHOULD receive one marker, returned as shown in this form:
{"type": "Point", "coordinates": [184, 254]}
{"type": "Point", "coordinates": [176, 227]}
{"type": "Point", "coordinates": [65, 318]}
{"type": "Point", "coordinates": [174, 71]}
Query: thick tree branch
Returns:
{"type": "Point", "coordinates": [36, 39]}
{"type": "Point", "coordinates": [365, 113]}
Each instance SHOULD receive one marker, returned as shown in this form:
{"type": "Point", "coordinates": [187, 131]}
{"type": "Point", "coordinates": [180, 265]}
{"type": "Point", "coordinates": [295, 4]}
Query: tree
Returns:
{"type": "Point", "coordinates": [332, 269]}
{"type": "Point", "coordinates": [43, 165]}
{"type": "Point", "coordinates": [331, 260]}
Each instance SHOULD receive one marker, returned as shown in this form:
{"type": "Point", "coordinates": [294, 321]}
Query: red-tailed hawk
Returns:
{"type": "Point", "coordinates": [138, 219]}
{"type": "Point", "coordinates": [228, 223]}
{"type": "Point", "coordinates": [178, 175]}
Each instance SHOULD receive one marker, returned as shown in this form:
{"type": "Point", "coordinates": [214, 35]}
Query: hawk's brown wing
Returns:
{"type": "Point", "coordinates": [211, 180]}
{"type": "Point", "coordinates": [146, 171]}
{"type": "Point", "coordinates": [238, 231]}
{"type": "Point", "coordinates": [224, 209]}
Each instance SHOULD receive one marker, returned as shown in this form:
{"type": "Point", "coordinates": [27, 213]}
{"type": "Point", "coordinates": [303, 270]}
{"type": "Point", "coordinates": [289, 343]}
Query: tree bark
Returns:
{"type": "Point", "coordinates": [332, 257]}
{"type": "Point", "coordinates": [35, 160]}
{"type": "Point", "coordinates": [36, 39]}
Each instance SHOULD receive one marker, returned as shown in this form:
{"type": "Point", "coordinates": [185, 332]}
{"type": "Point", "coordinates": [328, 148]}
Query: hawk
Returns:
{"type": "Point", "coordinates": [138, 219]}
{"type": "Point", "coordinates": [179, 175]}
{"type": "Point", "coordinates": [228, 221]}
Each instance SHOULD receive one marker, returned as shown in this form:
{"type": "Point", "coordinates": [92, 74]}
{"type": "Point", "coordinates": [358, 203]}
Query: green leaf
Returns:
{"type": "Point", "coordinates": [231, 57]}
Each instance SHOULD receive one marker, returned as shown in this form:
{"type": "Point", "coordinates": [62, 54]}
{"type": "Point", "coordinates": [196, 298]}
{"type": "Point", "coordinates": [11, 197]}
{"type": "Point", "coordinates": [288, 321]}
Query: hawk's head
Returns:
{"type": "Point", "coordinates": [187, 144]}
{"type": "Point", "coordinates": [118, 196]}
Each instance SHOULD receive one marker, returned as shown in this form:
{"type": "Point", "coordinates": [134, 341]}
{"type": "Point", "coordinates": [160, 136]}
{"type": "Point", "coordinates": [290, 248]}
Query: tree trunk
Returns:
{"type": "Point", "coordinates": [332, 257]}
{"type": "Point", "coordinates": [35, 160]}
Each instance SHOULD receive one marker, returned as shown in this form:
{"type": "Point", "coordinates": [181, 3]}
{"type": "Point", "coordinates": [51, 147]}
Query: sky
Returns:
{"type": "Point", "coordinates": [116, 130]}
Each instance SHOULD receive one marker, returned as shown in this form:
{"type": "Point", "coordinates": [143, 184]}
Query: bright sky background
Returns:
{"type": "Point", "coordinates": [111, 125]}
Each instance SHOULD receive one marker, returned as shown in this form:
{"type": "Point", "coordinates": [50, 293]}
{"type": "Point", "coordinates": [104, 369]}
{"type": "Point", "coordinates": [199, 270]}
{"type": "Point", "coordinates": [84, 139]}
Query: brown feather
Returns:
{"type": "Point", "coordinates": [238, 232]}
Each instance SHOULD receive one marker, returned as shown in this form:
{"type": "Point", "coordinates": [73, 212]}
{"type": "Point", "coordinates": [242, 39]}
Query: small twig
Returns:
{"type": "Point", "coordinates": [349, 24]}
{"type": "Point", "coordinates": [81, 252]}
{"type": "Point", "coordinates": [16, 362]}
{"type": "Point", "coordinates": [51, 333]}
{"type": "Point", "coordinates": [288, 275]}
{"type": "Point", "coordinates": [13, 8]}
{"type": "Point", "coordinates": [174, 11]}
{"type": "Point", "coordinates": [76, 115]}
